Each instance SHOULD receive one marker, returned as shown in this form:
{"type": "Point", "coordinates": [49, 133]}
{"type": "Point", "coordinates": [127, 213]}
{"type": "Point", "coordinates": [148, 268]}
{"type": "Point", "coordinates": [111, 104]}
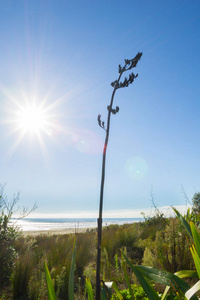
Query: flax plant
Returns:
{"type": "Point", "coordinates": [176, 287]}
{"type": "Point", "coordinates": [117, 84]}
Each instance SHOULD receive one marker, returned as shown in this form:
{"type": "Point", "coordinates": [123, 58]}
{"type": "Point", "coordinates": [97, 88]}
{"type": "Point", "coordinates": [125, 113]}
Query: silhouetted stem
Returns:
{"type": "Point", "coordinates": [129, 64]}
{"type": "Point", "coordinates": [98, 280]}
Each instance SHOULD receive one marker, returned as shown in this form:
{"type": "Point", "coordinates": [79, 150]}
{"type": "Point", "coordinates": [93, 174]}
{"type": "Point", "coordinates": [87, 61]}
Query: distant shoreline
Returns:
{"type": "Point", "coordinates": [42, 226]}
{"type": "Point", "coordinates": [56, 231]}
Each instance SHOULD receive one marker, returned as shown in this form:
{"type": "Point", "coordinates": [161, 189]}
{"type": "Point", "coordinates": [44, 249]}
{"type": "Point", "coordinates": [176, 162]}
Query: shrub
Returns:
{"type": "Point", "coordinates": [137, 290]}
{"type": "Point", "coordinates": [8, 234]}
{"type": "Point", "coordinates": [116, 237]}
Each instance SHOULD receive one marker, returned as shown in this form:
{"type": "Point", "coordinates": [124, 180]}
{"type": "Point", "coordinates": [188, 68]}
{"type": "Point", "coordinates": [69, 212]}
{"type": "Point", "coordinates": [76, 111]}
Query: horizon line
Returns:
{"type": "Point", "coordinates": [125, 213]}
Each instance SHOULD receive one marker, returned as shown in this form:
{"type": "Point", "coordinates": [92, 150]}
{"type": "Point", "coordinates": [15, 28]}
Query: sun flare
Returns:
{"type": "Point", "coordinates": [32, 119]}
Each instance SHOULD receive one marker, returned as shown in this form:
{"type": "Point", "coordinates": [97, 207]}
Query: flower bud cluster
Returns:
{"type": "Point", "coordinates": [101, 124]}
{"type": "Point", "coordinates": [112, 110]}
{"type": "Point", "coordinates": [129, 63]}
{"type": "Point", "coordinates": [125, 83]}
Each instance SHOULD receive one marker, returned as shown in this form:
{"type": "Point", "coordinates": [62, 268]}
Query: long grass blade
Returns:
{"type": "Point", "coordinates": [50, 287]}
{"type": "Point", "coordinates": [117, 291]}
{"type": "Point", "coordinates": [71, 276]}
{"type": "Point", "coordinates": [165, 292]}
{"type": "Point", "coordinates": [128, 282]}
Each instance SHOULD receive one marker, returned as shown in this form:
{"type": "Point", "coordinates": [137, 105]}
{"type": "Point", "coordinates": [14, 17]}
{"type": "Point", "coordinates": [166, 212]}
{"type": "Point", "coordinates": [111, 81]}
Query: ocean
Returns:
{"type": "Point", "coordinates": [47, 224]}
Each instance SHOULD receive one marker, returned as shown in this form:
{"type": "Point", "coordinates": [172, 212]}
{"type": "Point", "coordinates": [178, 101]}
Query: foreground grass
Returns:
{"type": "Point", "coordinates": [157, 242]}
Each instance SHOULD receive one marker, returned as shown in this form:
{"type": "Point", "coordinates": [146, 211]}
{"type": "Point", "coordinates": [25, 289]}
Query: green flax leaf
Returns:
{"type": "Point", "coordinates": [152, 295]}
{"type": "Point", "coordinates": [50, 287]}
{"type": "Point", "coordinates": [184, 222]}
{"type": "Point", "coordinates": [187, 274]}
{"type": "Point", "coordinates": [196, 259]}
{"type": "Point", "coordinates": [196, 237]}
{"type": "Point", "coordinates": [180, 274]}
{"type": "Point", "coordinates": [104, 295]}
{"type": "Point", "coordinates": [89, 289]}
{"type": "Point", "coordinates": [166, 278]}
{"type": "Point", "coordinates": [193, 290]}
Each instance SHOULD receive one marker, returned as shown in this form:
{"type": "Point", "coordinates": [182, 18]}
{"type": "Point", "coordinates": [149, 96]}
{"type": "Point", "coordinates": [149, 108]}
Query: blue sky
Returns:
{"type": "Point", "coordinates": [63, 55]}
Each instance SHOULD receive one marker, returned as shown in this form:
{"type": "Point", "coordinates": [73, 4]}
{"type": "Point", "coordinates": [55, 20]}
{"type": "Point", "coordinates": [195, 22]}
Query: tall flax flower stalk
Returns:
{"type": "Point", "coordinates": [117, 84]}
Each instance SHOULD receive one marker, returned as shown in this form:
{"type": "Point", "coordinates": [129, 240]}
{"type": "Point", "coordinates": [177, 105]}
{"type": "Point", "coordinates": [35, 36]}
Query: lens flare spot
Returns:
{"type": "Point", "coordinates": [136, 167]}
{"type": "Point", "coordinates": [84, 140]}
{"type": "Point", "coordinates": [83, 146]}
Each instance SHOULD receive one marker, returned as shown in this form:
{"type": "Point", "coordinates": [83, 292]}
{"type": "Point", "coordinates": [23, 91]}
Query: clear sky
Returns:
{"type": "Point", "coordinates": [58, 59]}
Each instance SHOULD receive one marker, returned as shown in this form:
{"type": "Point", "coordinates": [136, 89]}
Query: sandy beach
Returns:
{"type": "Point", "coordinates": [56, 231]}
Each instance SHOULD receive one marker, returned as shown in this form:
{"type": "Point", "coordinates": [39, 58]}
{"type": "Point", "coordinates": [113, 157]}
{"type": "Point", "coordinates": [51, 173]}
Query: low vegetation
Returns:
{"type": "Point", "coordinates": [158, 242]}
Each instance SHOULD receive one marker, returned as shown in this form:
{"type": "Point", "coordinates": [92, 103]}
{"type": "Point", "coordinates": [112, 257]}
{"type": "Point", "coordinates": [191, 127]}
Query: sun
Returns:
{"type": "Point", "coordinates": [32, 119]}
